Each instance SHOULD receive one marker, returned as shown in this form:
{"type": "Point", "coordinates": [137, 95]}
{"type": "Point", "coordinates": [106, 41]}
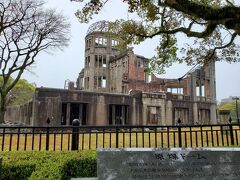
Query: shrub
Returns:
{"type": "Point", "coordinates": [20, 171]}
{"type": "Point", "coordinates": [83, 166]}
{"type": "Point", "coordinates": [48, 165]}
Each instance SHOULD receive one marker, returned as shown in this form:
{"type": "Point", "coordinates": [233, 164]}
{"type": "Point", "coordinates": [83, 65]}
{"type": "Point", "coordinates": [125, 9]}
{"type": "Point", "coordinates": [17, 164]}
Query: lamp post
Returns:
{"type": "Point", "coordinates": [236, 98]}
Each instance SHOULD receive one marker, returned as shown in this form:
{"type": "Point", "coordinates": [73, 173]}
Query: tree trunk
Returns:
{"type": "Point", "coordinates": [2, 113]}
{"type": "Point", "coordinates": [2, 108]}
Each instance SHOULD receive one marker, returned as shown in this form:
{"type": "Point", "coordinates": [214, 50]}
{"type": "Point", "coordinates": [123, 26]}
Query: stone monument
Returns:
{"type": "Point", "coordinates": [174, 163]}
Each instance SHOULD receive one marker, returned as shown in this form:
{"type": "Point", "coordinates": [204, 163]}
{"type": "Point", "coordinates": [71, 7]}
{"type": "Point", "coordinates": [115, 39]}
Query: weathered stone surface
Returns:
{"type": "Point", "coordinates": [175, 163]}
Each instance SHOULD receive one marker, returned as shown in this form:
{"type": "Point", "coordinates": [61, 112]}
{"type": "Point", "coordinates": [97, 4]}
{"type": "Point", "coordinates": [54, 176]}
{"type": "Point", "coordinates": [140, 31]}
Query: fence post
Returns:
{"type": "Point", "coordinates": [231, 131]}
{"type": "Point", "coordinates": [47, 139]}
{"type": "Point", "coordinates": [117, 136]}
{"type": "Point", "coordinates": [75, 134]}
{"type": "Point", "coordinates": [179, 133]}
{"type": "Point", "coordinates": [47, 135]}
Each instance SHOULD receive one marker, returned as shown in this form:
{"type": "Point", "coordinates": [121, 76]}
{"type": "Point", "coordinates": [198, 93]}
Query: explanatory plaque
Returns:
{"type": "Point", "coordinates": [174, 163]}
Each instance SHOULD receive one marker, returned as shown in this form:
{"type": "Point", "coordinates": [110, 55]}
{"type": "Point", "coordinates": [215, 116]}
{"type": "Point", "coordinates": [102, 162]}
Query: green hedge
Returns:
{"type": "Point", "coordinates": [48, 165]}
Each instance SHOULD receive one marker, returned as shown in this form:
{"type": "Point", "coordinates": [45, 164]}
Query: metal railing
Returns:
{"type": "Point", "coordinates": [92, 137]}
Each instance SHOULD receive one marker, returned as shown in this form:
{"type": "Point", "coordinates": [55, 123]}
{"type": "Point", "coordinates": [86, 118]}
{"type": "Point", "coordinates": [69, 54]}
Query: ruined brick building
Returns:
{"type": "Point", "coordinates": [114, 88]}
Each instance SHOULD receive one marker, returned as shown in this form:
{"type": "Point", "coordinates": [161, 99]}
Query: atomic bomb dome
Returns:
{"type": "Point", "coordinates": [100, 26]}
{"type": "Point", "coordinates": [114, 88]}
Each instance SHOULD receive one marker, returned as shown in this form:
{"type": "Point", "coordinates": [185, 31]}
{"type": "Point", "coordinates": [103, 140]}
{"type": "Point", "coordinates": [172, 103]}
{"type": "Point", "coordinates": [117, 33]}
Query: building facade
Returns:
{"type": "Point", "coordinates": [115, 88]}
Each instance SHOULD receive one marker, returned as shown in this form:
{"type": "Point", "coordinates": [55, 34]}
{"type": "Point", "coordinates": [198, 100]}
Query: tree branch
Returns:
{"type": "Point", "coordinates": [211, 54]}
{"type": "Point", "coordinates": [209, 29]}
{"type": "Point", "coordinates": [231, 4]}
{"type": "Point", "coordinates": [228, 16]}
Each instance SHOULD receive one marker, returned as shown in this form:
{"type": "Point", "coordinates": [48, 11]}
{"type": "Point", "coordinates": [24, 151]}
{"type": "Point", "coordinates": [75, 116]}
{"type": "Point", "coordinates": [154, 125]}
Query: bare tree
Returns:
{"type": "Point", "coordinates": [26, 29]}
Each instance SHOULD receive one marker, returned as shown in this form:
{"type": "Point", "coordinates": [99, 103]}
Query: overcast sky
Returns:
{"type": "Point", "coordinates": [51, 70]}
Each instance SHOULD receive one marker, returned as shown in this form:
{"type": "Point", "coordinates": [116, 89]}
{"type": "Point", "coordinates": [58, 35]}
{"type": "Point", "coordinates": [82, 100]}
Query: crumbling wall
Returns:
{"type": "Point", "coordinates": [21, 114]}
{"type": "Point", "coordinates": [153, 110]}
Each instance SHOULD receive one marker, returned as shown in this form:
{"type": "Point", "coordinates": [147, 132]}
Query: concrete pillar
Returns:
{"type": "Point", "coordinates": [101, 111]}
{"type": "Point", "coordinates": [91, 112]}
{"type": "Point", "coordinates": [193, 87]}
{"type": "Point", "coordinates": [206, 88]}
{"type": "Point", "coordinates": [212, 88]}
{"type": "Point", "coordinates": [133, 113]}
{"type": "Point", "coordinates": [212, 83]}
{"type": "Point", "coordinates": [163, 115]}
{"type": "Point", "coordinates": [68, 114]}
{"type": "Point", "coordinates": [195, 113]}
{"type": "Point", "coordinates": [144, 114]}
{"type": "Point", "coordinates": [213, 116]}
{"type": "Point", "coordinates": [193, 96]}
{"type": "Point", "coordinates": [169, 113]}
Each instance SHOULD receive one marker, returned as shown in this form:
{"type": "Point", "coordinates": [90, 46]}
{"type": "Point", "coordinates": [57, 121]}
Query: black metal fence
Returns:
{"type": "Point", "coordinates": [92, 137]}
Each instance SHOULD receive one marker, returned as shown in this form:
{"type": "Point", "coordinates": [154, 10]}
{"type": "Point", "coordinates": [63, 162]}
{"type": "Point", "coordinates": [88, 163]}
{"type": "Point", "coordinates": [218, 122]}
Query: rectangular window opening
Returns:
{"type": "Point", "coordinates": [138, 64]}
{"type": "Point", "coordinates": [114, 42]}
{"type": "Point", "coordinates": [104, 82]}
{"type": "Point", "coordinates": [175, 90]}
{"type": "Point", "coordinates": [118, 114]}
{"type": "Point", "coordinates": [105, 41]}
{"type": "Point", "coordinates": [89, 42]}
{"type": "Point", "coordinates": [100, 42]}
{"type": "Point", "coordinates": [95, 82]}
{"type": "Point", "coordinates": [182, 114]}
{"type": "Point", "coordinates": [104, 61]}
{"type": "Point", "coordinates": [96, 60]}
{"type": "Point", "coordinates": [100, 60]}
{"type": "Point", "coordinates": [148, 77]}
{"type": "Point", "coordinates": [96, 41]}
{"type": "Point", "coordinates": [88, 61]}
{"type": "Point", "coordinates": [99, 82]}
{"type": "Point", "coordinates": [154, 115]}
